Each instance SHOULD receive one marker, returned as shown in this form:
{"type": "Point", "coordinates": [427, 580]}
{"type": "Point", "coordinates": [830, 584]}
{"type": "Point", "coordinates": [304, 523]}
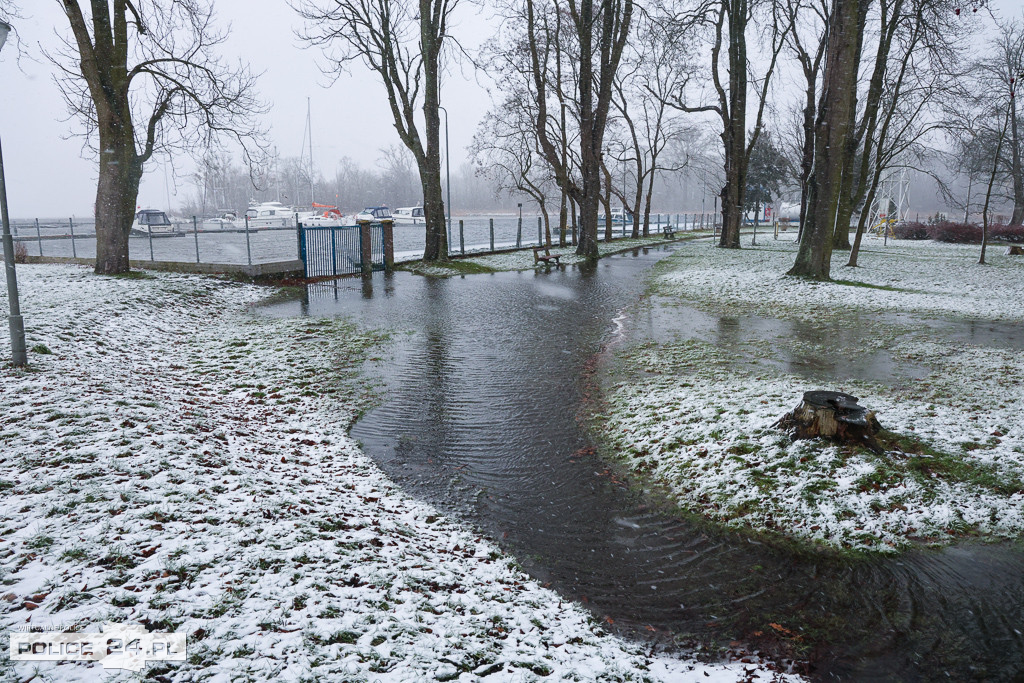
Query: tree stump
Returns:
{"type": "Point", "coordinates": [832, 415]}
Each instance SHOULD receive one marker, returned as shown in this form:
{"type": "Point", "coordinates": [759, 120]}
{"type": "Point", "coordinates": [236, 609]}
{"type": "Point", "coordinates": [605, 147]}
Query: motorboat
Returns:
{"type": "Point", "coordinates": [152, 222]}
{"type": "Point", "coordinates": [270, 215]}
{"type": "Point", "coordinates": [619, 217]}
{"type": "Point", "coordinates": [374, 213]}
{"type": "Point", "coordinates": [322, 214]}
{"type": "Point", "coordinates": [409, 215]}
{"type": "Point", "coordinates": [224, 220]}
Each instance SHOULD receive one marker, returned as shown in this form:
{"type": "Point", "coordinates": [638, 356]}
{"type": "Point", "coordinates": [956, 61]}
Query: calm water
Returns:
{"type": "Point", "coordinates": [482, 416]}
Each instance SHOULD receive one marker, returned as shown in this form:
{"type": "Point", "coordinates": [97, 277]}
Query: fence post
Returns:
{"type": "Point", "coordinates": [302, 251]}
{"type": "Point", "coordinates": [149, 233]}
{"type": "Point", "coordinates": [334, 248]}
{"type": "Point", "coordinates": [462, 238]}
{"type": "Point", "coordinates": [365, 248]}
{"type": "Point", "coordinates": [248, 248]}
{"type": "Point", "coordinates": [195, 233]}
{"type": "Point", "coordinates": [492, 234]}
{"type": "Point", "coordinates": [388, 238]}
{"type": "Point", "coordinates": [519, 231]}
{"type": "Point", "coordinates": [39, 238]}
{"type": "Point", "coordinates": [74, 252]}
{"type": "Point", "coordinates": [298, 236]}
{"type": "Point", "coordinates": [540, 232]}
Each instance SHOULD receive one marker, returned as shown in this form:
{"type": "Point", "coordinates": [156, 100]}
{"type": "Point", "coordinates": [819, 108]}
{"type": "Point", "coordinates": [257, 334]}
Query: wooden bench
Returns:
{"type": "Point", "coordinates": [547, 257]}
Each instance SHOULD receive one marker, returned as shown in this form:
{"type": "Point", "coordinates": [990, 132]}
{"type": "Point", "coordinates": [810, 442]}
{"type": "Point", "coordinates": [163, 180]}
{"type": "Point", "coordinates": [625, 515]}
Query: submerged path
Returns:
{"type": "Point", "coordinates": [484, 390]}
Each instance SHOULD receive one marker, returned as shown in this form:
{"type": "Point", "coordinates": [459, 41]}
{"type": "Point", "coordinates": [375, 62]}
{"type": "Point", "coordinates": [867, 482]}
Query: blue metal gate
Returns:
{"type": "Point", "coordinates": [330, 250]}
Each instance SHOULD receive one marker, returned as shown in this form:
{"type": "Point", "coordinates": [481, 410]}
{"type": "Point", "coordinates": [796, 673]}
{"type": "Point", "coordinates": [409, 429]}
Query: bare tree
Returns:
{"type": "Point", "coordinates": [1003, 72]}
{"type": "Point", "coordinates": [142, 77]}
{"type": "Point", "coordinates": [655, 69]}
{"type": "Point", "coordinates": [403, 43]}
{"type": "Point", "coordinates": [809, 21]}
{"type": "Point", "coordinates": [919, 70]}
{"type": "Point", "coordinates": [599, 33]}
{"type": "Point", "coordinates": [505, 150]}
{"type": "Point", "coordinates": [728, 22]}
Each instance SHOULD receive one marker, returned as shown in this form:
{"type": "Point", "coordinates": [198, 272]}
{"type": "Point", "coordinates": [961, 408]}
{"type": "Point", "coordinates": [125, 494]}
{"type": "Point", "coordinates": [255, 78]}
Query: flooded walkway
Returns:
{"type": "Point", "coordinates": [486, 385]}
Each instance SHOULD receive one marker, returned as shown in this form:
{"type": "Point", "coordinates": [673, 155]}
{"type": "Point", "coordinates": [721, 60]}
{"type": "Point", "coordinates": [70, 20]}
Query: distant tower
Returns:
{"type": "Point", "coordinates": [892, 200]}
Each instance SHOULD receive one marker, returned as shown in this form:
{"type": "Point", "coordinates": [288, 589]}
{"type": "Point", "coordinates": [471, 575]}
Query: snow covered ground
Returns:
{"type": "Point", "coordinates": [693, 418]}
{"type": "Point", "coordinates": [172, 460]}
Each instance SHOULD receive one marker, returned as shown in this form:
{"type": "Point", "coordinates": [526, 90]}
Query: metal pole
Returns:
{"type": "Point", "coordinates": [462, 239]}
{"type": "Point", "coordinates": [248, 249]}
{"type": "Point", "coordinates": [448, 176]}
{"type": "Point", "coordinates": [519, 230]}
{"type": "Point", "coordinates": [74, 252]}
{"type": "Point", "coordinates": [195, 233]}
{"type": "Point", "coordinates": [540, 233]}
{"type": "Point", "coordinates": [39, 237]}
{"type": "Point", "coordinates": [149, 233]}
{"type": "Point", "coordinates": [492, 234]}
{"type": "Point", "coordinates": [14, 321]}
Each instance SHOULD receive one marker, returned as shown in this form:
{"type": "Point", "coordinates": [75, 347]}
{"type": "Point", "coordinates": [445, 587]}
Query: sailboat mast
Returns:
{"type": "Point", "coordinates": [309, 124]}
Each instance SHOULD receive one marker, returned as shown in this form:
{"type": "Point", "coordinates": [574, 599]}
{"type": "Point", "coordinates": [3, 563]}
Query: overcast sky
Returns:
{"type": "Point", "coordinates": [47, 175]}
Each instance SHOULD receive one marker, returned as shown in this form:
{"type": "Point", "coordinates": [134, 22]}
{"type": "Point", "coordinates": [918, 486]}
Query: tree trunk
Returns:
{"type": "Point", "coordinates": [734, 136]}
{"type": "Point", "coordinates": [607, 199]}
{"type": "Point", "coordinates": [1017, 218]}
{"type": "Point", "coordinates": [831, 137]}
{"type": "Point", "coordinates": [807, 160]}
{"type": "Point", "coordinates": [120, 173]}
{"type": "Point", "coordinates": [563, 216]}
{"type": "Point", "coordinates": [436, 247]}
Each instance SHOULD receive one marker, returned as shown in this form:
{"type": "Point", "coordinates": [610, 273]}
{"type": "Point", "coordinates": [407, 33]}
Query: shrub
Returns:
{"type": "Point", "coordinates": [912, 231]}
{"type": "Point", "coordinates": [956, 233]}
{"type": "Point", "coordinates": [20, 253]}
{"type": "Point", "coordinates": [1007, 233]}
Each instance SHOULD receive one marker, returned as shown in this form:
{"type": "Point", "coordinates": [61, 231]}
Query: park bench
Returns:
{"type": "Point", "coordinates": [1014, 250]}
{"type": "Point", "coordinates": [669, 232]}
{"type": "Point", "coordinates": [547, 257]}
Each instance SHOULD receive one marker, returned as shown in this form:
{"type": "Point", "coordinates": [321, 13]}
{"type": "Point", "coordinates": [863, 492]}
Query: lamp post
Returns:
{"type": "Point", "coordinates": [17, 326]}
{"type": "Point", "coordinates": [448, 174]}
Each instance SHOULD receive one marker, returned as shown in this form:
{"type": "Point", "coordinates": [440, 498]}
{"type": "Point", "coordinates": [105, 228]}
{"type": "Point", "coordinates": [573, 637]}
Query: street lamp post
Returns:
{"type": "Point", "coordinates": [17, 325]}
{"type": "Point", "coordinates": [448, 175]}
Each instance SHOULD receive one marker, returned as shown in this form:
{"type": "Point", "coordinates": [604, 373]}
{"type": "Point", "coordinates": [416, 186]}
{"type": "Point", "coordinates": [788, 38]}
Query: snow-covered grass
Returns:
{"type": "Point", "coordinates": [173, 460]}
{"type": "Point", "coordinates": [523, 258]}
{"type": "Point", "coordinates": [696, 419]}
{"type": "Point", "coordinates": [921, 277]}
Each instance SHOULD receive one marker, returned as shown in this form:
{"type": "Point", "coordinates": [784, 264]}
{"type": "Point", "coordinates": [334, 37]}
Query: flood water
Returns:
{"type": "Point", "coordinates": [486, 385]}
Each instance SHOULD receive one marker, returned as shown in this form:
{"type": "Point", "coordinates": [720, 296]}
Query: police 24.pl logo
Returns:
{"type": "Point", "coordinates": [118, 646]}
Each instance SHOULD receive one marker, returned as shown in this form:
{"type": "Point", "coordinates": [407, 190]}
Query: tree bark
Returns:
{"type": "Point", "coordinates": [120, 173]}
{"type": "Point", "coordinates": [832, 131]}
{"type": "Point", "coordinates": [1017, 218]}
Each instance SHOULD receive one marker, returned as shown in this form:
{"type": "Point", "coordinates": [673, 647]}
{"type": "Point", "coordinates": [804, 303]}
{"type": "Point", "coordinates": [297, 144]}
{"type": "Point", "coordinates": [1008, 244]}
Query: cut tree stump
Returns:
{"type": "Point", "coordinates": [832, 415]}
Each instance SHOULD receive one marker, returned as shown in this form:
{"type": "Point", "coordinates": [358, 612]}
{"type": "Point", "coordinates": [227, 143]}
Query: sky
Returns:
{"type": "Point", "coordinates": [48, 175]}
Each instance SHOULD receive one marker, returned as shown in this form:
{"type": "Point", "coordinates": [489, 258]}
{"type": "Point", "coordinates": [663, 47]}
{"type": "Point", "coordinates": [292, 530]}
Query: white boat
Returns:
{"type": "Point", "coordinates": [409, 215]}
{"type": "Point", "coordinates": [225, 220]}
{"type": "Point", "coordinates": [152, 222]}
{"type": "Point", "coordinates": [374, 213]}
{"type": "Point", "coordinates": [322, 214]}
{"type": "Point", "coordinates": [619, 216]}
{"type": "Point", "coordinates": [270, 215]}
